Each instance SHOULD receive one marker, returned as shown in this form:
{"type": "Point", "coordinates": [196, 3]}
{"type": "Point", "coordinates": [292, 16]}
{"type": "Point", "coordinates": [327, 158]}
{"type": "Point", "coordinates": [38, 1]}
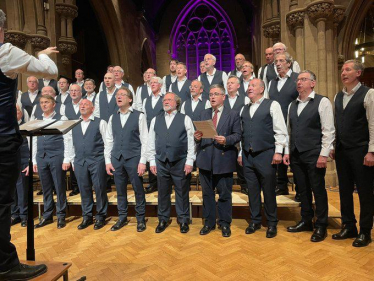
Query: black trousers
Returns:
{"type": "Point", "coordinates": [10, 162]}
{"type": "Point", "coordinates": [351, 171]}
{"type": "Point", "coordinates": [223, 183]}
{"type": "Point", "coordinates": [168, 172]}
{"type": "Point", "coordinates": [19, 207]}
{"type": "Point", "coordinates": [152, 179]}
{"type": "Point", "coordinates": [125, 170]}
{"type": "Point", "coordinates": [282, 179]}
{"type": "Point", "coordinates": [311, 180]}
{"type": "Point", "coordinates": [261, 175]}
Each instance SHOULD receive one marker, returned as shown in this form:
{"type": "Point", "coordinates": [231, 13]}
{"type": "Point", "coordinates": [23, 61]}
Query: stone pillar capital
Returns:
{"type": "Point", "coordinates": [16, 38]}
{"type": "Point", "coordinates": [67, 48]}
{"type": "Point", "coordinates": [67, 10]}
{"type": "Point", "coordinates": [338, 14]}
{"type": "Point", "coordinates": [39, 42]}
{"type": "Point", "coordinates": [272, 28]}
{"type": "Point", "coordinates": [320, 10]}
{"type": "Point", "coordinates": [295, 19]}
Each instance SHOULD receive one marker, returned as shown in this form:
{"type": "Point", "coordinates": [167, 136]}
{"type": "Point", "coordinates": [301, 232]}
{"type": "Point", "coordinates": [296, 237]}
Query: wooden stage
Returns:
{"type": "Point", "coordinates": [129, 255]}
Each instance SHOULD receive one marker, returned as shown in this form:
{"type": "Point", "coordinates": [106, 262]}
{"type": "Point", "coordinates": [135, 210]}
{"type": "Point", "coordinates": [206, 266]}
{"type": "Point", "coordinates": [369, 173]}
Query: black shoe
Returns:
{"type": "Point", "coordinates": [319, 234]}
{"type": "Point", "coordinates": [271, 232]}
{"type": "Point", "coordinates": [297, 197]}
{"type": "Point", "coordinates": [281, 191]}
{"type": "Point", "coordinates": [151, 188]}
{"type": "Point", "coordinates": [99, 224]}
{"type": "Point", "coordinates": [85, 223]}
{"type": "Point", "coordinates": [74, 192]}
{"type": "Point", "coordinates": [141, 226]}
{"type": "Point", "coordinates": [40, 192]}
{"type": "Point", "coordinates": [226, 231]}
{"type": "Point", "coordinates": [184, 228]}
{"type": "Point", "coordinates": [24, 223]}
{"type": "Point", "coordinates": [244, 190]}
{"type": "Point", "coordinates": [43, 222]}
{"type": "Point", "coordinates": [15, 220]}
{"type": "Point", "coordinates": [119, 224]}
{"type": "Point", "coordinates": [345, 233]}
{"type": "Point", "coordinates": [252, 227]}
{"type": "Point", "coordinates": [61, 223]}
{"type": "Point", "coordinates": [206, 229]}
{"type": "Point", "coordinates": [23, 272]}
{"type": "Point", "coordinates": [362, 240]}
{"type": "Point", "coordinates": [301, 226]}
{"type": "Point", "coordinates": [162, 225]}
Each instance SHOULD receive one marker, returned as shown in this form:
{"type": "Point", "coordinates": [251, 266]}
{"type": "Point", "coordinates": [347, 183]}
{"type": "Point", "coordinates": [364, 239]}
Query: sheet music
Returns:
{"type": "Point", "coordinates": [207, 128]}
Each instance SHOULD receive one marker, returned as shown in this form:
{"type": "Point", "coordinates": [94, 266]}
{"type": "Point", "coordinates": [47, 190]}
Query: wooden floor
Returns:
{"type": "Point", "coordinates": [128, 255]}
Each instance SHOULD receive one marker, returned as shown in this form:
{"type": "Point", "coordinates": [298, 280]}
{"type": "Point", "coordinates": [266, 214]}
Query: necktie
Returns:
{"type": "Point", "coordinates": [215, 117]}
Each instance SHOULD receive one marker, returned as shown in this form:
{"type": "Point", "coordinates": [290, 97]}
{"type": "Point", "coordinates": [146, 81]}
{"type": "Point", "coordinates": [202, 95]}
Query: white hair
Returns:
{"type": "Point", "coordinates": [2, 18]}
{"type": "Point", "coordinates": [159, 80]}
{"type": "Point", "coordinates": [213, 57]}
{"type": "Point", "coordinates": [280, 43]}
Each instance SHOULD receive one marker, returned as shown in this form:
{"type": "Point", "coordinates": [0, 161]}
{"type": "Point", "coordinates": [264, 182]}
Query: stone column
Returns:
{"type": "Point", "coordinates": [295, 21]}
{"type": "Point", "coordinates": [319, 11]}
{"type": "Point", "coordinates": [272, 29]}
{"type": "Point", "coordinates": [39, 41]}
{"type": "Point", "coordinates": [66, 42]}
{"type": "Point", "coordinates": [339, 12]}
{"type": "Point", "coordinates": [14, 33]}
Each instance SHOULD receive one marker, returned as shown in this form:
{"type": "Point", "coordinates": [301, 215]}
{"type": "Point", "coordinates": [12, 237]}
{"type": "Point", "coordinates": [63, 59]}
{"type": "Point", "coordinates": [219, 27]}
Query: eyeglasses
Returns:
{"type": "Point", "coordinates": [194, 87]}
{"type": "Point", "coordinates": [215, 94]}
{"type": "Point", "coordinates": [303, 79]}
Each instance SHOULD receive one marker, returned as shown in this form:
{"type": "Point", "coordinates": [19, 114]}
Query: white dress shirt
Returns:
{"type": "Point", "coordinates": [180, 84]}
{"type": "Point", "coordinates": [246, 82]}
{"type": "Point", "coordinates": [75, 107]}
{"type": "Point", "coordinates": [84, 125]}
{"type": "Point", "coordinates": [211, 76]}
{"type": "Point", "coordinates": [368, 105]}
{"type": "Point", "coordinates": [151, 148]}
{"type": "Point", "coordinates": [129, 87]}
{"type": "Point", "coordinates": [173, 79]}
{"type": "Point", "coordinates": [64, 96]}
{"type": "Point", "coordinates": [67, 141]}
{"type": "Point", "coordinates": [279, 126]}
{"type": "Point", "coordinates": [154, 101]}
{"type": "Point", "coordinates": [194, 104]}
{"type": "Point", "coordinates": [33, 95]}
{"type": "Point", "coordinates": [238, 73]}
{"type": "Point", "coordinates": [138, 105]}
{"type": "Point", "coordinates": [13, 61]}
{"type": "Point", "coordinates": [97, 100]}
{"type": "Point", "coordinates": [219, 113]}
{"type": "Point", "coordinates": [143, 131]}
{"type": "Point", "coordinates": [232, 99]}
{"type": "Point", "coordinates": [90, 97]}
{"type": "Point", "coordinates": [281, 82]}
{"type": "Point", "coordinates": [327, 122]}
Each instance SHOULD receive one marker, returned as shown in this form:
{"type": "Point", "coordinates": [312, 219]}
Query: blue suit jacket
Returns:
{"type": "Point", "coordinates": [211, 156]}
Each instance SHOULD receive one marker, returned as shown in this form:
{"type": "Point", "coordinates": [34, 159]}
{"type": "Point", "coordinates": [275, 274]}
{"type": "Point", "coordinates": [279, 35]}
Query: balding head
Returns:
{"type": "Point", "coordinates": [48, 90]}
{"type": "Point", "coordinates": [75, 93]}
{"type": "Point", "coordinates": [86, 108]}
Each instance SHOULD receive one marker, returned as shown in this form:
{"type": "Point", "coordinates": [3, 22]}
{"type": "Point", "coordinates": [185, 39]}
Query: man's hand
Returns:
{"type": "Point", "coordinates": [240, 161]}
{"type": "Point", "coordinates": [26, 171]}
{"type": "Point", "coordinates": [220, 139]}
{"type": "Point", "coordinates": [35, 168]}
{"type": "Point", "coordinates": [65, 166]}
{"type": "Point", "coordinates": [369, 159]}
{"type": "Point", "coordinates": [286, 159]}
{"type": "Point", "coordinates": [153, 170]}
{"type": "Point", "coordinates": [109, 168]}
{"type": "Point", "coordinates": [332, 154]}
{"type": "Point", "coordinates": [187, 169]}
{"type": "Point", "coordinates": [198, 135]}
{"type": "Point", "coordinates": [322, 162]}
{"type": "Point", "coordinates": [277, 159]}
{"type": "Point", "coordinates": [141, 169]}
{"type": "Point", "coordinates": [48, 51]}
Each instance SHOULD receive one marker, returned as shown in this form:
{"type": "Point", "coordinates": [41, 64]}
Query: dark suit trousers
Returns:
{"type": "Point", "coordinates": [19, 207]}
{"type": "Point", "coordinates": [261, 175]}
{"type": "Point", "coordinates": [51, 174]}
{"type": "Point", "coordinates": [125, 170]}
{"type": "Point", "coordinates": [88, 176]}
{"type": "Point", "coordinates": [311, 179]}
{"type": "Point", "coordinates": [223, 183]}
{"type": "Point", "coordinates": [282, 179]}
{"type": "Point", "coordinates": [351, 171]}
{"type": "Point", "coordinates": [152, 179]}
{"type": "Point", "coordinates": [10, 161]}
{"type": "Point", "coordinates": [168, 173]}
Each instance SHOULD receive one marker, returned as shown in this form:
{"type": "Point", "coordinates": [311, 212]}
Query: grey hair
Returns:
{"type": "Point", "coordinates": [53, 90]}
{"type": "Point", "coordinates": [2, 18]}
{"type": "Point", "coordinates": [202, 86]}
{"type": "Point", "coordinates": [90, 80]}
{"type": "Point", "coordinates": [234, 77]}
{"type": "Point", "coordinates": [280, 43]}
{"type": "Point", "coordinates": [213, 57]}
{"type": "Point", "coordinates": [159, 79]}
{"type": "Point", "coordinates": [313, 77]}
{"type": "Point", "coordinates": [218, 86]}
{"type": "Point", "coordinates": [357, 65]}
{"type": "Point", "coordinates": [288, 57]}
{"type": "Point", "coordinates": [176, 98]}
{"type": "Point", "coordinates": [128, 93]}
{"type": "Point", "coordinates": [120, 68]}
{"type": "Point", "coordinates": [37, 81]}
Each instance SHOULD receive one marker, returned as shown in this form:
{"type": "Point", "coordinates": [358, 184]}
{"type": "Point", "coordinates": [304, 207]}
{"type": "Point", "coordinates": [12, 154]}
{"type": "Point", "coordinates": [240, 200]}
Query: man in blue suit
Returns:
{"type": "Point", "coordinates": [216, 160]}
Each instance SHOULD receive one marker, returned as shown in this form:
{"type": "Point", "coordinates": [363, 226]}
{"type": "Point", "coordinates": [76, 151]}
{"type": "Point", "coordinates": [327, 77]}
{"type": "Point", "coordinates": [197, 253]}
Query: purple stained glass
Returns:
{"type": "Point", "coordinates": [203, 27]}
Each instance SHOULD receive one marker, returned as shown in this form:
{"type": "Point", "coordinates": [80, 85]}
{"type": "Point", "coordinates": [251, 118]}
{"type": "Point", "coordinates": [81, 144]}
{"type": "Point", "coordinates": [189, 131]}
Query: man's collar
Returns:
{"type": "Point", "coordinates": [114, 89]}
{"type": "Point", "coordinates": [354, 90]}
{"type": "Point", "coordinates": [64, 94]}
{"type": "Point", "coordinates": [200, 97]}
{"type": "Point", "coordinates": [184, 79]}
{"type": "Point", "coordinates": [91, 118]}
{"type": "Point", "coordinates": [174, 112]}
{"type": "Point", "coordinates": [159, 94]}
{"type": "Point", "coordinates": [258, 101]}
{"type": "Point", "coordinates": [250, 78]}
{"type": "Point", "coordinates": [130, 109]}
{"type": "Point", "coordinates": [220, 109]}
{"type": "Point", "coordinates": [236, 95]}
{"type": "Point", "coordinates": [288, 74]}
{"type": "Point", "coordinates": [50, 116]}
{"type": "Point", "coordinates": [75, 104]}
{"type": "Point", "coordinates": [214, 72]}
{"type": "Point", "coordinates": [310, 96]}
{"type": "Point", "coordinates": [34, 93]}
